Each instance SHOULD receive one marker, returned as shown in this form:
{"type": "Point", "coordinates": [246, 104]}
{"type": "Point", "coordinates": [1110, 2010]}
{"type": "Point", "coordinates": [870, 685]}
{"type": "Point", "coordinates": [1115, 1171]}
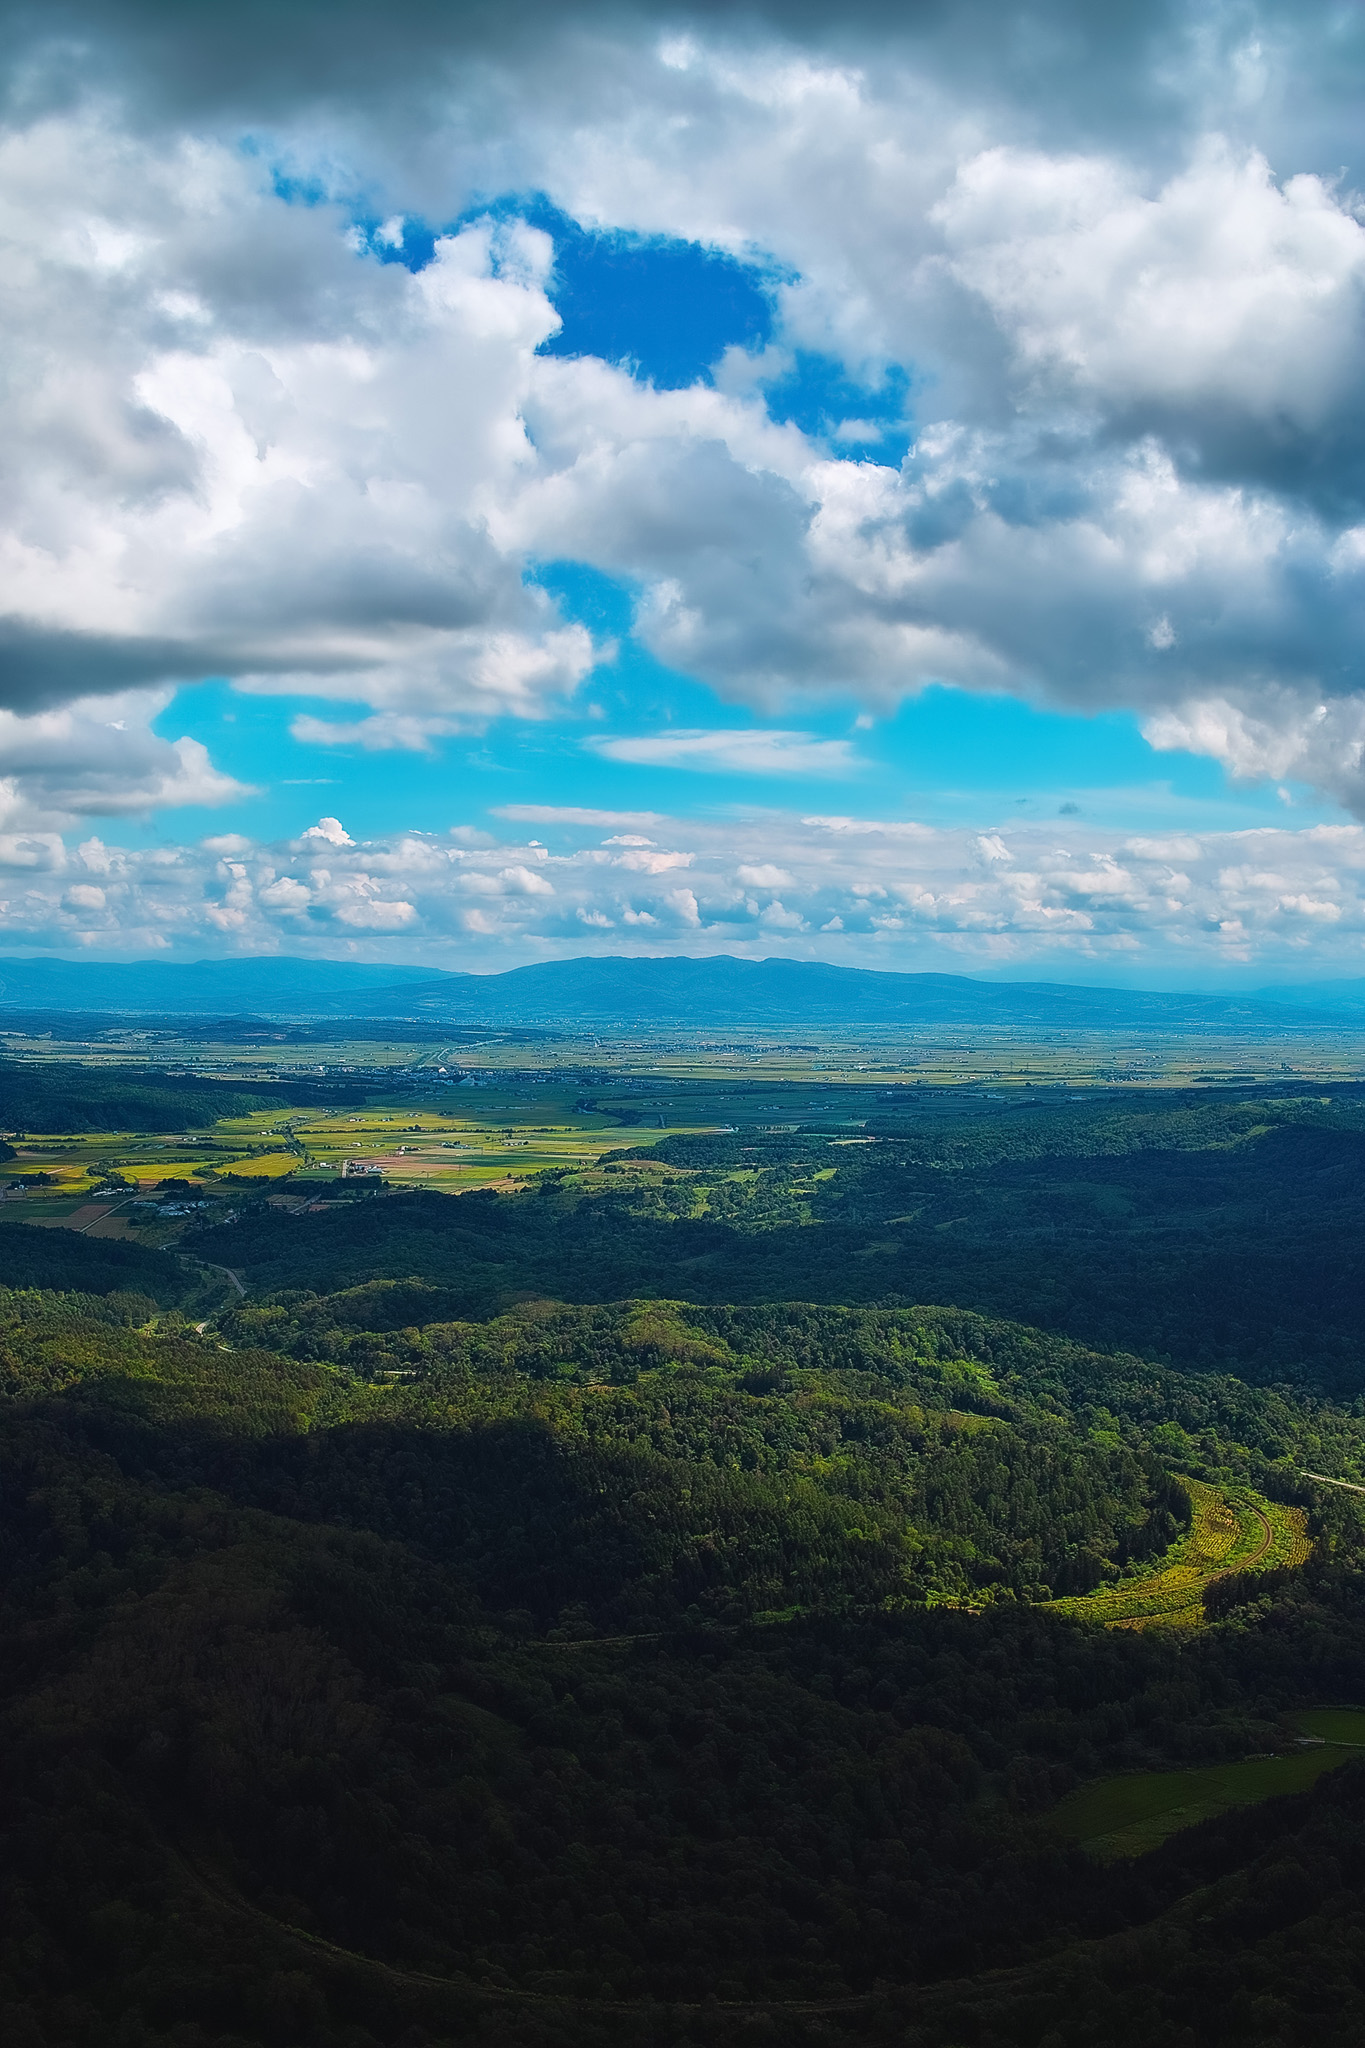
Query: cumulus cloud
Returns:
{"type": "Point", "coordinates": [242, 445]}
{"type": "Point", "coordinates": [99, 757]}
{"type": "Point", "coordinates": [1120, 279]}
{"type": "Point", "coordinates": [329, 829]}
{"type": "Point", "coordinates": [763, 876]}
{"type": "Point", "coordinates": [1221, 311]}
{"type": "Point", "coordinates": [1073, 901]}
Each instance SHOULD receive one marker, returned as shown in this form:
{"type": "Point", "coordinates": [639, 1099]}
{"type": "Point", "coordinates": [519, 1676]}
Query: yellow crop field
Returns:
{"type": "Point", "coordinates": [269, 1166]}
{"type": "Point", "coordinates": [1231, 1530]}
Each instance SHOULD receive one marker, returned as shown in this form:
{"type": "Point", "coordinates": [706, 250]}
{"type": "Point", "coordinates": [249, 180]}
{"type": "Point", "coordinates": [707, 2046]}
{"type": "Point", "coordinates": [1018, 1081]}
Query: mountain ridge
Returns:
{"type": "Point", "coordinates": [623, 990]}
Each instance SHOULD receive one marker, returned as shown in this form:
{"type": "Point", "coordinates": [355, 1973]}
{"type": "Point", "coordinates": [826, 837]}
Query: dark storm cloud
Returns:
{"type": "Point", "coordinates": [1064, 70]}
{"type": "Point", "coordinates": [40, 667]}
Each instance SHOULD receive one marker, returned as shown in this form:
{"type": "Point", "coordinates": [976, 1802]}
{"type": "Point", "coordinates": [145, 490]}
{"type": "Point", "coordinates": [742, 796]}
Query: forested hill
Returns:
{"type": "Point", "coordinates": [61, 1096]}
{"type": "Point", "coordinates": [621, 1614]}
{"type": "Point", "coordinates": [1216, 1235]}
{"type": "Point", "coordinates": [633, 1675]}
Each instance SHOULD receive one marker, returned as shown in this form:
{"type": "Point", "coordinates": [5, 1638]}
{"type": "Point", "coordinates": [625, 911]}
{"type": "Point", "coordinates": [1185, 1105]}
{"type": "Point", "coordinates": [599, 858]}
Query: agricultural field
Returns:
{"type": "Point", "coordinates": [1231, 1530]}
{"type": "Point", "coordinates": [1126, 1816]}
{"type": "Point", "coordinates": [497, 1137]}
{"type": "Point", "coordinates": [112, 1182]}
{"type": "Point", "coordinates": [999, 1062]}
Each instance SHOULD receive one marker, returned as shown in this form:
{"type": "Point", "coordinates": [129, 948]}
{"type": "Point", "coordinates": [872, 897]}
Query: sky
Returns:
{"type": "Point", "coordinates": [883, 484]}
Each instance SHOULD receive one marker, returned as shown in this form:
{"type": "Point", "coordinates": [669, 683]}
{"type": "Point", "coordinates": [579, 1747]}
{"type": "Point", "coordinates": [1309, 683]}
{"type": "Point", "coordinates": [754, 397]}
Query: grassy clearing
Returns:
{"type": "Point", "coordinates": [1231, 1530]}
{"type": "Point", "coordinates": [1120, 1817]}
{"type": "Point", "coordinates": [1334, 1724]}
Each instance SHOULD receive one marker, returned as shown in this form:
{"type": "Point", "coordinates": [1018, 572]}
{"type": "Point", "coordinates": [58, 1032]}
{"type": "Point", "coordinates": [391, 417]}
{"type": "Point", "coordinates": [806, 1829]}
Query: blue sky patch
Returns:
{"type": "Point", "coordinates": [947, 758]}
{"type": "Point", "coordinates": [818, 395]}
{"type": "Point", "coordinates": [669, 309]}
{"type": "Point", "coordinates": [666, 309]}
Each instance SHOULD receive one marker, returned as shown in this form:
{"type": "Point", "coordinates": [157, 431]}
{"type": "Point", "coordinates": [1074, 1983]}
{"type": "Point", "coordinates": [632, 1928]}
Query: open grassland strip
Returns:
{"type": "Point", "coordinates": [1127, 1816]}
{"type": "Point", "coordinates": [1342, 1725]}
{"type": "Point", "coordinates": [1232, 1530]}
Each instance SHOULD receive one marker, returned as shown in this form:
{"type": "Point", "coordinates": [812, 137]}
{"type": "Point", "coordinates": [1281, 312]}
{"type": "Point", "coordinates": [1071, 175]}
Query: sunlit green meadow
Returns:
{"type": "Point", "coordinates": [1127, 1816]}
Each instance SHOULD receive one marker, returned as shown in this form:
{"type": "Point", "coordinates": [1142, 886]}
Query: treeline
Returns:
{"type": "Point", "coordinates": [942, 1358]}
{"type": "Point", "coordinates": [67, 1097]}
{"type": "Point", "coordinates": [67, 1261]}
{"type": "Point", "coordinates": [696, 1483]}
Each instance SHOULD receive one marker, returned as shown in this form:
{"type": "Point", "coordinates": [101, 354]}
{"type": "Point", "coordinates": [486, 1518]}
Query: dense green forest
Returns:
{"type": "Point", "coordinates": [63, 1261]}
{"type": "Point", "coordinates": [1215, 1235]}
{"type": "Point", "coordinates": [467, 1637]}
{"type": "Point", "coordinates": [62, 1096]}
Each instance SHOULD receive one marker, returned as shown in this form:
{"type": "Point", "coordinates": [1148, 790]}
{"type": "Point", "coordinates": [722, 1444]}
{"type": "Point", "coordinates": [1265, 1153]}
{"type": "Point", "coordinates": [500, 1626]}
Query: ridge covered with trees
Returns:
{"type": "Point", "coordinates": [448, 1642]}
{"type": "Point", "coordinates": [1217, 1235]}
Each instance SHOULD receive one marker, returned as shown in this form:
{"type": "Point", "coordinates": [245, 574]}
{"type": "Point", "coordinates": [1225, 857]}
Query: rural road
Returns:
{"type": "Point", "coordinates": [1345, 1484]}
{"type": "Point", "coordinates": [1267, 1538]}
{"type": "Point", "coordinates": [233, 1277]}
{"type": "Point", "coordinates": [224, 1895]}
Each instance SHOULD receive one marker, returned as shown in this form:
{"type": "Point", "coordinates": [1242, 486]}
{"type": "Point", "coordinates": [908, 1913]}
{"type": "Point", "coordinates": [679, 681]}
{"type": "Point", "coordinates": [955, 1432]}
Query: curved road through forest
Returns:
{"type": "Point", "coordinates": [223, 1895]}
{"type": "Point", "coordinates": [1267, 1539]}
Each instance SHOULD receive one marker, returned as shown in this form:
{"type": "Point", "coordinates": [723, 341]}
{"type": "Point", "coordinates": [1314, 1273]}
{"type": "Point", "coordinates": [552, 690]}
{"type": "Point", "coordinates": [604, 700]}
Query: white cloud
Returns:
{"type": "Point", "coordinates": [330, 830]}
{"type": "Point", "coordinates": [239, 443]}
{"type": "Point", "coordinates": [376, 916]}
{"type": "Point", "coordinates": [574, 814]}
{"type": "Point", "coordinates": [1222, 296]}
{"type": "Point", "coordinates": [1071, 900]}
{"type": "Point", "coordinates": [683, 904]}
{"type": "Point", "coordinates": [657, 862]}
{"type": "Point", "coordinates": [757, 752]}
{"type": "Point", "coordinates": [78, 761]}
{"type": "Point", "coordinates": [245, 446]}
{"type": "Point", "coordinates": [524, 881]}
{"type": "Point", "coordinates": [286, 894]}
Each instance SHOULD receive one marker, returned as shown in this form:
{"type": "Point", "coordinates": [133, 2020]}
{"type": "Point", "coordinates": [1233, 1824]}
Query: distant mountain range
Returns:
{"type": "Point", "coordinates": [605, 993]}
{"type": "Point", "coordinates": [196, 988]}
{"type": "Point", "coordinates": [1344, 998]}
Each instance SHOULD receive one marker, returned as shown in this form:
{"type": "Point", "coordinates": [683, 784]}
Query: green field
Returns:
{"type": "Point", "coordinates": [1231, 1530]}
{"type": "Point", "coordinates": [1333, 1724]}
{"type": "Point", "coordinates": [496, 1139]}
{"type": "Point", "coordinates": [1127, 1816]}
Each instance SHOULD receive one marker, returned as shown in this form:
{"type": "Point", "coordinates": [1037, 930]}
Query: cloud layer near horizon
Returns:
{"type": "Point", "coordinates": [886, 893]}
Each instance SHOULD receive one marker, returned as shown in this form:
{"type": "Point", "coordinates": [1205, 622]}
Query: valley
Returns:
{"type": "Point", "coordinates": [706, 1535]}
